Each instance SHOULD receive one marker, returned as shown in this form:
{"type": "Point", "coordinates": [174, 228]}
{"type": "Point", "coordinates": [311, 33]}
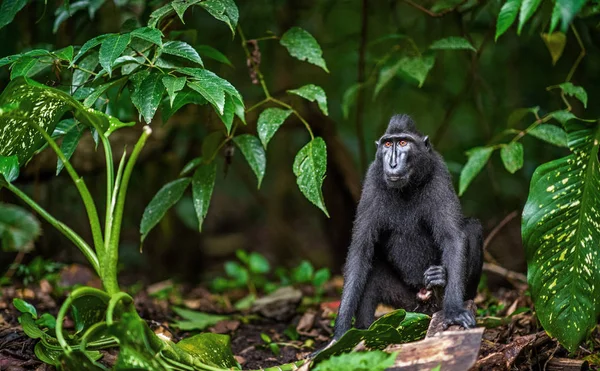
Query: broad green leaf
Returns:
{"type": "Point", "coordinates": [245, 303]}
{"type": "Point", "coordinates": [478, 157]}
{"type": "Point", "coordinates": [303, 46]}
{"type": "Point", "coordinates": [149, 34]}
{"type": "Point", "coordinates": [183, 50]}
{"type": "Point", "coordinates": [90, 44]}
{"type": "Point", "coordinates": [9, 59]}
{"type": "Point", "coordinates": [321, 277]}
{"type": "Point", "coordinates": [575, 91]}
{"type": "Point", "coordinates": [195, 321]}
{"type": "Point", "coordinates": [417, 67]}
{"type": "Point", "coordinates": [210, 52]}
{"type": "Point", "coordinates": [310, 165]}
{"type": "Point", "coordinates": [210, 349]}
{"type": "Point", "coordinates": [89, 63]}
{"type": "Point", "coordinates": [65, 53]}
{"type": "Point", "coordinates": [349, 98]}
{"type": "Point", "coordinates": [99, 91]}
{"type": "Point", "coordinates": [452, 43]}
{"type": "Point", "coordinates": [211, 144]}
{"type": "Point", "coordinates": [550, 133]}
{"type": "Point", "coordinates": [269, 122]}
{"type": "Point", "coordinates": [563, 116]}
{"type": "Point", "coordinates": [228, 113]}
{"type": "Point", "coordinates": [561, 233]}
{"type": "Point", "coordinates": [25, 307]}
{"type": "Point", "coordinates": [9, 168]}
{"type": "Point", "coordinates": [223, 10]}
{"type": "Point", "coordinates": [112, 47]}
{"type": "Point", "coordinates": [507, 16]}
{"type": "Point", "coordinates": [22, 67]}
{"type": "Point", "coordinates": [9, 9]}
{"type": "Point", "coordinates": [565, 10]}
{"type": "Point", "coordinates": [159, 14]}
{"type": "Point", "coordinates": [258, 264]}
{"type": "Point", "coordinates": [528, 8]}
{"type": "Point", "coordinates": [303, 272]}
{"type": "Point", "coordinates": [237, 272]}
{"type": "Point", "coordinates": [254, 154]}
{"type": "Point", "coordinates": [68, 145]}
{"type": "Point", "coordinates": [396, 327]}
{"type": "Point", "coordinates": [216, 84]}
{"type": "Point", "coordinates": [173, 85]}
{"type": "Point", "coordinates": [555, 42]}
{"type": "Point", "coordinates": [166, 197]}
{"type": "Point", "coordinates": [180, 6]}
{"type": "Point", "coordinates": [313, 92]}
{"type": "Point", "coordinates": [386, 74]}
{"type": "Point", "coordinates": [512, 156]}
{"type": "Point", "coordinates": [186, 96]}
{"type": "Point", "coordinates": [519, 114]}
{"type": "Point", "coordinates": [151, 92]}
{"type": "Point", "coordinates": [376, 360]}
{"type": "Point", "coordinates": [203, 183]}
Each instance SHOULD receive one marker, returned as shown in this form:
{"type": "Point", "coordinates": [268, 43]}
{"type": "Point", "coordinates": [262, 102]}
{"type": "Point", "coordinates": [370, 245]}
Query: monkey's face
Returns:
{"type": "Point", "coordinates": [400, 154]}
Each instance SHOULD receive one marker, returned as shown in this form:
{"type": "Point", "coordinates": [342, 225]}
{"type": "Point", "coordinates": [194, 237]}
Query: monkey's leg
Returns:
{"type": "Point", "coordinates": [474, 233]}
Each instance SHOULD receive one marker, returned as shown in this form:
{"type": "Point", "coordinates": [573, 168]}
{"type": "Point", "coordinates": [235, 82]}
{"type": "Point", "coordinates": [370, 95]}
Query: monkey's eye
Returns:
{"type": "Point", "coordinates": [402, 143]}
{"type": "Point", "coordinates": [388, 144]}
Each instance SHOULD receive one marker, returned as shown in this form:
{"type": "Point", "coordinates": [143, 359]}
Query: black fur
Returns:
{"type": "Point", "coordinates": [409, 236]}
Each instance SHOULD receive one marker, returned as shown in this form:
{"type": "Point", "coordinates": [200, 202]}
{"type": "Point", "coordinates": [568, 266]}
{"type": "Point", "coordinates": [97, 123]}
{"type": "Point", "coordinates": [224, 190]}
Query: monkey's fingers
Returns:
{"type": "Point", "coordinates": [465, 320]}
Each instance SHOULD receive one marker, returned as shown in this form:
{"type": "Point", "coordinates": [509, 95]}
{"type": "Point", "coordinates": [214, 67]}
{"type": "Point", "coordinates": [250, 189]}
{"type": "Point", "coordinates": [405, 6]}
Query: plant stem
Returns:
{"type": "Point", "coordinates": [110, 281]}
{"type": "Point", "coordinates": [283, 104]}
{"type": "Point", "coordinates": [88, 201]}
{"type": "Point", "coordinates": [61, 227]}
{"type": "Point", "coordinates": [256, 68]}
{"type": "Point", "coordinates": [110, 182]}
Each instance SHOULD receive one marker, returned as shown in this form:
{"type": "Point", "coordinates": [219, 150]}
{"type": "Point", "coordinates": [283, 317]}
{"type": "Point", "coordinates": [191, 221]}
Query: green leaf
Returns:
{"type": "Point", "coordinates": [519, 114]}
{"type": "Point", "coordinates": [243, 256]}
{"type": "Point", "coordinates": [452, 43]}
{"type": "Point", "coordinates": [210, 52]}
{"type": "Point", "coordinates": [417, 67]}
{"type": "Point", "coordinates": [9, 168]}
{"type": "Point", "coordinates": [195, 321]}
{"type": "Point", "coordinates": [386, 74]}
{"type": "Point", "coordinates": [269, 122]}
{"type": "Point", "coordinates": [321, 277]}
{"type": "Point", "coordinates": [303, 272]}
{"type": "Point", "coordinates": [88, 63]}
{"type": "Point", "coordinates": [550, 133]}
{"type": "Point", "coordinates": [528, 8]}
{"type": "Point", "coordinates": [22, 67]}
{"type": "Point", "coordinates": [68, 145]}
{"type": "Point", "coordinates": [90, 44]}
{"type": "Point", "coordinates": [166, 197]}
{"type": "Point", "coordinates": [151, 92]}
{"type": "Point", "coordinates": [112, 47]}
{"type": "Point", "coordinates": [575, 91]}
{"type": "Point", "coordinates": [223, 10]}
{"type": "Point", "coordinates": [245, 303]}
{"type": "Point", "coordinates": [478, 157]}
{"type": "Point", "coordinates": [213, 88]}
{"type": "Point", "coordinates": [349, 98]}
{"type": "Point", "coordinates": [183, 50]}
{"type": "Point", "coordinates": [512, 156]}
{"type": "Point", "coordinates": [184, 97]}
{"type": "Point", "coordinates": [9, 59]}
{"type": "Point", "coordinates": [24, 307]}
{"type": "Point", "coordinates": [310, 165]}
{"type": "Point", "coordinates": [254, 154]}
{"type": "Point", "coordinates": [560, 234]}
{"type": "Point", "coordinates": [159, 14]}
{"type": "Point", "coordinates": [181, 6]}
{"type": "Point", "coordinates": [211, 92]}
{"type": "Point", "coordinates": [555, 42]}
{"type": "Point", "coordinates": [99, 91]}
{"type": "Point", "coordinates": [9, 9]}
{"type": "Point", "coordinates": [566, 10]}
{"type": "Point", "coordinates": [359, 361]}
{"type": "Point", "coordinates": [210, 349]}
{"type": "Point", "coordinates": [396, 327]}
{"type": "Point", "coordinates": [65, 53]}
{"type": "Point", "coordinates": [149, 34]}
{"type": "Point", "coordinates": [303, 46]}
{"type": "Point", "coordinates": [228, 113]}
{"type": "Point", "coordinates": [258, 264]}
{"type": "Point", "coordinates": [173, 85]}
{"type": "Point", "coordinates": [237, 272]}
{"type": "Point", "coordinates": [507, 16]}
{"type": "Point", "coordinates": [203, 183]}
{"type": "Point", "coordinates": [313, 92]}
{"type": "Point", "coordinates": [191, 165]}
{"type": "Point", "coordinates": [563, 116]}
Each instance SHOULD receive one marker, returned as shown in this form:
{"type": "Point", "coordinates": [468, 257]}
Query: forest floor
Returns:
{"type": "Point", "coordinates": [513, 338]}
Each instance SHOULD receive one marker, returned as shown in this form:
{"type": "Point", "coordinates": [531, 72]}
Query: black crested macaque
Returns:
{"type": "Point", "coordinates": [411, 247]}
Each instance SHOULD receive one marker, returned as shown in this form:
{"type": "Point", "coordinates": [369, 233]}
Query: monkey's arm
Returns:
{"type": "Point", "coordinates": [356, 270]}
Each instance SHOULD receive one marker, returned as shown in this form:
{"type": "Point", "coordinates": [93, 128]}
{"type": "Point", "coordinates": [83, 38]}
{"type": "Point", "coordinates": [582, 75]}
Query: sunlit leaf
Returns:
{"type": "Point", "coordinates": [452, 43]}
{"type": "Point", "coordinates": [512, 156]}
{"type": "Point", "coordinates": [303, 46]}
{"type": "Point", "coordinates": [112, 47]}
{"type": "Point", "coordinates": [313, 92]}
{"type": "Point", "coordinates": [507, 16]}
{"type": "Point", "coordinates": [9, 168]}
{"type": "Point", "coordinates": [203, 183]}
{"type": "Point", "coordinates": [310, 165]}
{"type": "Point", "coordinates": [561, 233]}
{"type": "Point", "coordinates": [528, 8]}
{"type": "Point", "coordinates": [258, 264]}
{"type": "Point", "coordinates": [164, 199]}
{"type": "Point", "coordinates": [565, 10]}
{"type": "Point", "coordinates": [25, 307]}
{"type": "Point", "coordinates": [269, 122]}
{"type": "Point", "coordinates": [478, 157]}
{"type": "Point", "coordinates": [210, 349]}
{"type": "Point", "coordinates": [254, 154]}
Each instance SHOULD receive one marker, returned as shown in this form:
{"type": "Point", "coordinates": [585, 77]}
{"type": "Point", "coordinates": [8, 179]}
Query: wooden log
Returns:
{"type": "Point", "coordinates": [454, 350]}
{"type": "Point", "coordinates": [566, 364]}
{"type": "Point", "coordinates": [436, 326]}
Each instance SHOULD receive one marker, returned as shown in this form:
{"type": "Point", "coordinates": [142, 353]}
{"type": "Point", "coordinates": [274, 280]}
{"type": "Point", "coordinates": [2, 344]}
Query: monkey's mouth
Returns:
{"type": "Point", "coordinates": [394, 178]}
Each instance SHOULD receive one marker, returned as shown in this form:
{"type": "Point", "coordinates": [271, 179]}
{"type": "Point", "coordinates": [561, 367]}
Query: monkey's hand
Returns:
{"type": "Point", "coordinates": [462, 317]}
{"type": "Point", "coordinates": [435, 276]}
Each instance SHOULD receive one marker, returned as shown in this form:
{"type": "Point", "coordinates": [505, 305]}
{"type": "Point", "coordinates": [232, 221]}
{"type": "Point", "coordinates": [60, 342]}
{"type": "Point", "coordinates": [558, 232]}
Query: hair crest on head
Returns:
{"type": "Point", "coordinates": [401, 123]}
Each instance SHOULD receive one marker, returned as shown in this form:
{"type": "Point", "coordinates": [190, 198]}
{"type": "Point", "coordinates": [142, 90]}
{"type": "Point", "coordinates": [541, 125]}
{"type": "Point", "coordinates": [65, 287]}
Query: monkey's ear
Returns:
{"type": "Point", "coordinates": [376, 143]}
{"type": "Point", "coordinates": [426, 142]}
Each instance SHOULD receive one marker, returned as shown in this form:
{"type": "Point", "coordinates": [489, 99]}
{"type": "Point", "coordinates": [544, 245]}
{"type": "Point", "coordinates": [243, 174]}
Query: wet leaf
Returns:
{"type": "Point", "coordinates": [313, 92]}
{"type": "Point", "coordinates": [18, 229]}
{"type": "Point", "coordinates": [69, 144]}
{"type": "Point", "coordinates": [478, 157]}
{"type": "Point", "coordinates": [90, 44]}
{"type": "Point", "coordinates": [528, 8]}
{"type": "Point", "coordinates": [452, 43]}
{"type": "Point", "coordinates": [149, 34]}
{"type": "Point", "coordinates": [551, 134]}
{"type": "Point", "coordinates": [25, 307]}
{"type": "Point", "coordinates": [223, 10]}
{"type": "Point", "coordinates": [150, 93]}
{"type": "Point", "coordinates": [195, 321]}
{"type": "Point", "coordinates": [183, 50]}
{"type": "Point", "coordinates": [512, 156]}
{"type": "Point", "coordinates": [269, 122]}
{"type": "Point", "coordinates": [9, 9]}
{"type": "Point", "coordinates": [111, 48]}
{"type": "Point", "coordinates": [211, 349]}
{"type": "Point", "coordinates": [254, 153]}
{"type": "Point", "coordinates": [173, 85]}
{"type": "Point", "coordinates": [575, 91]}
{"type": "Point", "coordinates": [303, 46]}
{"type": "Point", "coordinates": [203, 183]}
{"type": "Point", "coordinates": [164, 199]}
{"type": "Point", "coordinates": [9, 168]}
{"type": "Point", "coordinates": [310, 165]}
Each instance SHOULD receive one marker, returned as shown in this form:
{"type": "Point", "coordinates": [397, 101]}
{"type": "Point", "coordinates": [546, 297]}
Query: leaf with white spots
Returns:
{"type": "Point", "coordinates": [575, 91]}
{"type": "Point", "coordinates": [173, 85]}
{"type": "Point", "coordinates": [550, 133]}
{"type": "Point", "coordinates": [203, 183]}
{"type": "Point", "coordinates": [269, 122]}
{"type": "Point", "coordinates": [303, 46]}
{"type": "Point", "coordinates": [254, 154]}
{"type": "Point", "coordinates": [512, 156]}
{"type": "Point", "coordinates": [313, 92]}
{"type": "Point", "coordinates": [310, 165]}
{"type": "Point", "coordinates": [183, 50]}
{"type": "Point", "coordinates": [164, 199]}
{"type": "Point", "coordinates": [561, 232]}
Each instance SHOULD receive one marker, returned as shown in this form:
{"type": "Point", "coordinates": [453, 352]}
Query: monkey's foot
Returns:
{"type": "Point", "coordinates": [464, 318]}
{"type": "Point", "coordinates": [435, 276]}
